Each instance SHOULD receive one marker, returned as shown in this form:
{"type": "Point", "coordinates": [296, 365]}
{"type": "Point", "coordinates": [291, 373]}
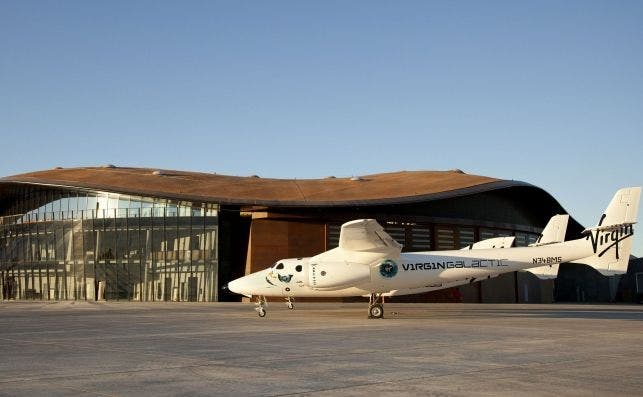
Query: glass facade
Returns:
{"type": "Point", "coordinates": [89, 245]}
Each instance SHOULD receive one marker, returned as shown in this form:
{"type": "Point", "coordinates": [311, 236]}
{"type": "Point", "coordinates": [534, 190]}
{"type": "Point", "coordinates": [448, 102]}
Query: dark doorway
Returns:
{"type": "Point", "coordinates": [193, 286]}
{"type": "Point", "coordinates": [234, 232]}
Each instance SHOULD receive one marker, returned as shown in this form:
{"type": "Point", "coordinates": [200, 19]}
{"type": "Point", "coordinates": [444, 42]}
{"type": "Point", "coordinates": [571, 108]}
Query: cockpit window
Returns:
{"type": "Point", "coordinates": [279, 266]}
{"type": "Point", "coordinates": [298, 268]}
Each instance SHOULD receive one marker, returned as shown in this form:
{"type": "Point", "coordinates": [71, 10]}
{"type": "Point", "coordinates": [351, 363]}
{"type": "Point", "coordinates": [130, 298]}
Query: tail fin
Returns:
{"type": "Point", "coordinates": [554, 232]}
{"type": "Point", "coordinates": [611, 239]}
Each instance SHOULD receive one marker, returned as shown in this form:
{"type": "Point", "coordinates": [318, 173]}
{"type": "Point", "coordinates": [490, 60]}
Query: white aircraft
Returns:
{"type": "Point", "coordinates": [368, 262]}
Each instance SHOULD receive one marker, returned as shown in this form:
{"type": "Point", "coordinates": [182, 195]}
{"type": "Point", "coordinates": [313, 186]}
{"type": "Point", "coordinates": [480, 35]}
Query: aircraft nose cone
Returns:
{"type": "Point", "coordinates": [239, 286]}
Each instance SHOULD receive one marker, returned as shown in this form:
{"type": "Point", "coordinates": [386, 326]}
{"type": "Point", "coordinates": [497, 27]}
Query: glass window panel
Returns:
{"type": "Point", "coordinates": [445, 238]}
{"type": "Point", "coordinates": [55, 206]}
{"type": "Point", "coordinates": [486, 234]}
{"type": "Point", "coordinates": [198, 211]}
{"type": "Point", "coordinates": [101, 203]}
{"type": "Point", "coordinates": [397, 233]}
{"type": "Point", "coordinates": [112, 202]}
{"type": "Point", "coordinates": [421, 238]}
{"type": "Point", "coordinates": [532, 238]}
{"type": "Point", "coordinates": [123, 202]}
{"type": "Point", "coordinates": [171, 210]}
{"type": "Point", "coordinates": [49, 206]}
{"type": "Point", "coordinates": [82, 202]}
{"type": "Point", "coordinates": [211, 212]}
{"type": "Point", "coordinates": [64, 204]}
{"type": "Point", "coordinates": [91, 203]}
{"type": "Point", "coordinates": [210, 242]}
{"type": "Point", "coordinates": [59, 240]}
{"type": "Point", "coordinates": [332, 235]}
{"type": "Point", "coordinates": [521, 239]}
{"type": "Point", "coordinates": [73, 203]}
{"type": "Point", "coordinates": [467, 236]}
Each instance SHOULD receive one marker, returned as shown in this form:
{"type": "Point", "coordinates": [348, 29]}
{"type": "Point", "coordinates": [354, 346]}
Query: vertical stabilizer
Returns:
{"type": "Point", "coordinates": [611, 239]}
{"type": "Point", "coordinates": [554, 232]}
{"type": "Point", "coordinates": [623, 209]}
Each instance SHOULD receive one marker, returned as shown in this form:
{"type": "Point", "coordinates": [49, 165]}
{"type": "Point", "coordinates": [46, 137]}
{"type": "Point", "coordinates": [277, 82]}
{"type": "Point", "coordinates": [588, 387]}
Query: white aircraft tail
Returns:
{"type": "Point", "coordinates": [611, 239]}
{"type": "Point", "coordinates": [554, 232]}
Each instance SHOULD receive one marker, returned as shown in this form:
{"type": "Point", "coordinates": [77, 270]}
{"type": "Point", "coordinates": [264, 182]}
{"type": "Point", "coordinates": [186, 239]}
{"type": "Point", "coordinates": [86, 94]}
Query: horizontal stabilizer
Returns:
{"type": "Point", "coordinates": [544, 272]}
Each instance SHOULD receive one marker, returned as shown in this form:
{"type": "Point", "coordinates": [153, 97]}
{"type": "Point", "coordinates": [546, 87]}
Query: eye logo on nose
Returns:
{"type": "Point", "coordinates": [388, 269]}
{"type": "Point", "coordinates": [284, 279]}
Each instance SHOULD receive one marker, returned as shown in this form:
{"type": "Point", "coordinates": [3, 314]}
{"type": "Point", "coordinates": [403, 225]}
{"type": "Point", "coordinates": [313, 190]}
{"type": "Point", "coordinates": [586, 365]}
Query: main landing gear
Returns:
{"type": "Point", "coordinates": [261, 305]}
{"type": "Point", "coordinates": [376, 306]}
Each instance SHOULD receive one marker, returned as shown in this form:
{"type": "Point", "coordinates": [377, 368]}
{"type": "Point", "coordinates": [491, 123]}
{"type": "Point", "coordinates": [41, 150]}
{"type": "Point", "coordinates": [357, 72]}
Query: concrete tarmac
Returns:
{"type": "Point", "coordinates": [329, 349]}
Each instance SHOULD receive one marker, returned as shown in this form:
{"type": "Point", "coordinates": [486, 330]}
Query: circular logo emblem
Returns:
{"type": "Point", "coordinates": [388, 268]}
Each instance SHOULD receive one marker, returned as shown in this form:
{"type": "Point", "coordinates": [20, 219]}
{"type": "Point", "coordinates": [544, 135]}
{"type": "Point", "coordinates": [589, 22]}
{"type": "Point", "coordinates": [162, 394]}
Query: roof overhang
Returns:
{"type": "Point", "coordinates": [378, 189]}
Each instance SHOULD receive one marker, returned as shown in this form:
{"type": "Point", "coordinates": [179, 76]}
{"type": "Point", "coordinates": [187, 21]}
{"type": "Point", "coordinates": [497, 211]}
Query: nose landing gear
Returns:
{"type": "Point", "coordinates": [260, 305]}
{"type": "Point", "coordinates": [376, 306]}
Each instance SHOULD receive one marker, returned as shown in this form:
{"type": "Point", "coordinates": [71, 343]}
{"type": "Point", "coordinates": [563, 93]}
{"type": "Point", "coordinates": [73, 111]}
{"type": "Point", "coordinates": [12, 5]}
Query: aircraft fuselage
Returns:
{"type": "Point", "coordinates": [410, 271]}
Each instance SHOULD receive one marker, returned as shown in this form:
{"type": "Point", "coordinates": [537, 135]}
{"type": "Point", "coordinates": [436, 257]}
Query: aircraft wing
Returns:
{"type": "Point", "coordinates": [366, 235]}
{"type": "Point", "coordinates": [435, 287]}
{"type": "Point", "coordinates": [496, 242]}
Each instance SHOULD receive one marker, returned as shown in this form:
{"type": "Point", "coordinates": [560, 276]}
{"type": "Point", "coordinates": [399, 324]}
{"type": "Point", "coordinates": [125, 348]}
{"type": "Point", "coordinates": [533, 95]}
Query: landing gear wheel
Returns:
{"type": "Point", "coordinates": [376, 311]}
{"type": "Point", "coordinates": [376, 306]}
{"type": "Point", "coordinates": [260, 308]}
{"type": "Point", "coordinates": [289, 303]}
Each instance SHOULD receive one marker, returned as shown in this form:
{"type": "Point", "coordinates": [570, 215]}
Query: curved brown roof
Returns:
{"type": "Point", "coordinates": [394, 187]}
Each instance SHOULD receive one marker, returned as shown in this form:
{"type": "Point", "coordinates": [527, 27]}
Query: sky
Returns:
{"type": "Point", "coordinates": [545, 92]}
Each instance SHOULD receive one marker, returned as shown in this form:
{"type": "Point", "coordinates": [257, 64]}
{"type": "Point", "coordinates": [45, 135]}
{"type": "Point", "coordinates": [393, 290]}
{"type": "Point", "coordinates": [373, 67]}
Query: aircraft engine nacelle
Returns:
{"type": "Point", "coordinates": [329, 276]}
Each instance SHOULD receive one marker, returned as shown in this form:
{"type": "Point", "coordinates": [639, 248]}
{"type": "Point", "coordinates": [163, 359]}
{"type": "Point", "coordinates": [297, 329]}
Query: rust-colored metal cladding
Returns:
{"type": "Point", "coordinates": [403, 186]}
